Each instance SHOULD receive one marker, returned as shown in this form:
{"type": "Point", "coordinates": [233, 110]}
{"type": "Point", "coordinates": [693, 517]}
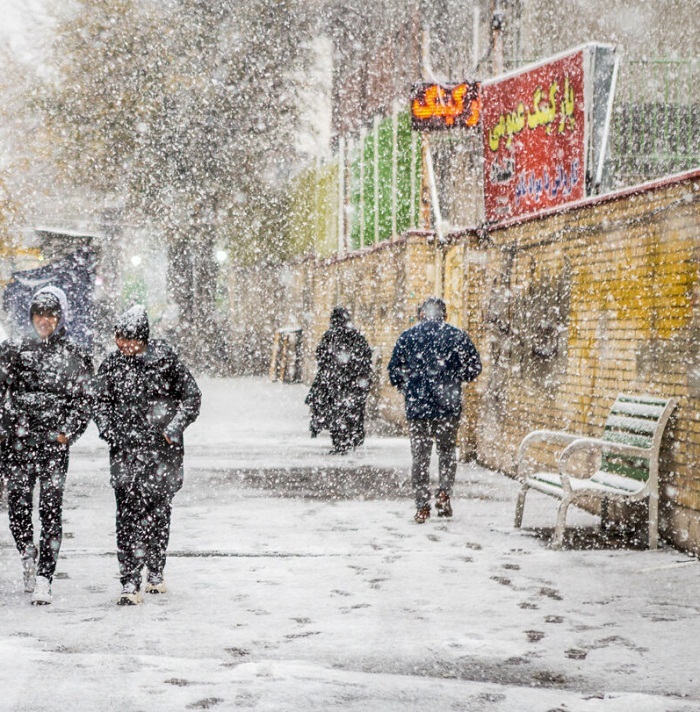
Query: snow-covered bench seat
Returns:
{"type": "Point", "coordinates": [626, 462]}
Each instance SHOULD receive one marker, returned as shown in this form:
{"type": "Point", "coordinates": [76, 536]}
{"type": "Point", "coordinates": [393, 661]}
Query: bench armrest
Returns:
{"type": "Point", "coordinates": [558, 437]}
{"type": "Point", "coordinates": [596, 445]}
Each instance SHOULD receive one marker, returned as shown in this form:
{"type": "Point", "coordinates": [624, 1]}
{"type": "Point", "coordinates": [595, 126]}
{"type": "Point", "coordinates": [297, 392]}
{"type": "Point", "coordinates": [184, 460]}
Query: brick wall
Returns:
{"type": "Point", "coordinates": [582, 305]}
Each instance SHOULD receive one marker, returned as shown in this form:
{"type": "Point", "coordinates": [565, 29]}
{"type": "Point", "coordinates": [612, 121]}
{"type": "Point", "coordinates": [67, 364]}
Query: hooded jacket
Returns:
{"type": "Point", "coordinates": [428, 365]}
{"type": "Point", "coordinates": [45, 384]}
{"type": "Point", "coordinates": [138, 401]}
{"type": "Point", "coordinates": [344, 372]}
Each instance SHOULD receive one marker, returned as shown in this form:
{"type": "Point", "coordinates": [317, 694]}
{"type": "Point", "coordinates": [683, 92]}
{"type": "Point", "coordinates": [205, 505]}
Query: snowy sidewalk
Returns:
{"type": "Point", "coordinates": [298, 581]}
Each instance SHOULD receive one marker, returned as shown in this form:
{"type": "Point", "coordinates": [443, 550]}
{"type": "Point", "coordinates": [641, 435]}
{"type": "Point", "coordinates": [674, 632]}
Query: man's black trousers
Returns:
{"type": "Point", "coordinates": [422, 433]}
{"type": "Point", "coordinates": [27, 464]}
{"type": "Point", "coordinates": [143, 530]}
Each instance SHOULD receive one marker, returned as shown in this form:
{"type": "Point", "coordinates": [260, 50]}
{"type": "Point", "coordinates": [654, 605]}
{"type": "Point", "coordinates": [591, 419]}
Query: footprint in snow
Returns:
{"type": "Point", "coordinates": [237, 652]}
{"type": "Point", "coordinates": [534, 635]}
{"type": "Point", "coordinates": [554, 619]}
{"type": "Point", "coordinates": [502, 580]}
{"type": "Point", "coordinates": [205, 704]}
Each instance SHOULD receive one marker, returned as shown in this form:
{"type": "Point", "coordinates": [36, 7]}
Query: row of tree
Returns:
{"type": "Point", "coordinates": [189, 112]}
{"type": "Point", "coordinates": [184, 109]}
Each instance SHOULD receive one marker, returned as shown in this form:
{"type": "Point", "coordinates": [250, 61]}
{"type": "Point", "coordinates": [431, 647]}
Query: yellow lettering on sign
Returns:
{"type": "Point", "coordinates": [568, 102]}
{"type": "Point", "coordinates": [544, 111]}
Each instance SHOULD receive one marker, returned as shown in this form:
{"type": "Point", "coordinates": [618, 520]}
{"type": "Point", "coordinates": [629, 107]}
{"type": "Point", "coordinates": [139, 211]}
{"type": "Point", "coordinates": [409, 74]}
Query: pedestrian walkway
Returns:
{"type": "Point", "coordinates": [297, 580]}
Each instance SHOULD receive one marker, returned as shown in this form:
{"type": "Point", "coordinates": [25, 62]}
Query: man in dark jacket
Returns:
{"type": "Point", "coordinates": [429, 363]}
{"type": "Point", "coordinates": [44, 389]}
{"type": "Point", "coordinates": [338, 395]}
{"type": "Point", "coordinates": [144, 399]}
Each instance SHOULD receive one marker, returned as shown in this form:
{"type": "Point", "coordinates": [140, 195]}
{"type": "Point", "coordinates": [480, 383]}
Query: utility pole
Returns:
{"type": "Point", "coordinates": [498, 17]}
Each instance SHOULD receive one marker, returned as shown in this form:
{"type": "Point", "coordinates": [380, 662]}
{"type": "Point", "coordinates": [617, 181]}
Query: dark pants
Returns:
{"type": "Point", "coordinates": [347, 422]}
{"type": "Point", "coordinates": [422, 434]}
{"type": "Point", "coordinates": [143, 530]}
{"type": "Point", "coordinates": [348, 425]}
{"type": "Point", "coordinates": [48, 464]}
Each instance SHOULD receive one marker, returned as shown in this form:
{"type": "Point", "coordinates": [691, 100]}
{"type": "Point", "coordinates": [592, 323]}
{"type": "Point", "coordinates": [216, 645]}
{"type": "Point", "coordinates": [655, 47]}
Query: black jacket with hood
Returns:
{"type": "Point", "coordinates": [139, 400]}
{"type": "Point", "coordinates": [344, 373]}
{"type": "Point", "coordinates": [45, 384]}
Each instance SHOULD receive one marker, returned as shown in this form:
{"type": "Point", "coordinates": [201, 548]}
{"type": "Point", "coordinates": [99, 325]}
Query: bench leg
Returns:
{"type": "Point", "coordinates": [558, 540]}
{"type": "Point", "coordinates": [520, 506]}
{"type": "Point", "coordinates": [653, 522]}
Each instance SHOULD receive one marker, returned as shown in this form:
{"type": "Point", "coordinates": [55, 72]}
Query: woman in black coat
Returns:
{"type": "Point", "coordinates": [44, 388]}
{"type": "Point", "coordinates": [338, 395]}
{"type": "Point", "coordinates": [144, 399]}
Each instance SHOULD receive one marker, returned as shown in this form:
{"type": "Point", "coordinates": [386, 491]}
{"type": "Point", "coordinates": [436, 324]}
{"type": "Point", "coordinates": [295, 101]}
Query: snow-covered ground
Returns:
{"type": "Point", "coordinates": [298, 581]}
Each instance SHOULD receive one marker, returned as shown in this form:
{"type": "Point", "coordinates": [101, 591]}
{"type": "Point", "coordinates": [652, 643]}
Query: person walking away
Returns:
{"type": "Point", "coordinates": [145, 397]}
{"type": "Point", "coordinates": [338, 395]}
{"type": "Point", "coordinates": [45, 392]}
{"type": "Point", "coordinates": [429, 363]}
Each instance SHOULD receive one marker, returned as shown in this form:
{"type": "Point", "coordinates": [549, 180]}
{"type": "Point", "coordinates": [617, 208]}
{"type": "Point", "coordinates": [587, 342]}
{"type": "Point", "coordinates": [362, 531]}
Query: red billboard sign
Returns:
{"type": "Point", "coordinates": [534, 138]}
{"type": "Point", "coordinates": [440, 106]}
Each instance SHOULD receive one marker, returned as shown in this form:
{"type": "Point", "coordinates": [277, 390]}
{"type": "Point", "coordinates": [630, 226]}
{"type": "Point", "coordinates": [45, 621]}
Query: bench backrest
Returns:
{"type": "Point", "coordinates": [639, 421]}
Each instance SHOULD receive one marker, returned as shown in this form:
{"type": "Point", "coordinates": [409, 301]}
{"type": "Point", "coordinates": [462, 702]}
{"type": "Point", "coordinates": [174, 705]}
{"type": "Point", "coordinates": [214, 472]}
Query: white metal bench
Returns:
{"type": "Point", "coordinates": [626, 464]}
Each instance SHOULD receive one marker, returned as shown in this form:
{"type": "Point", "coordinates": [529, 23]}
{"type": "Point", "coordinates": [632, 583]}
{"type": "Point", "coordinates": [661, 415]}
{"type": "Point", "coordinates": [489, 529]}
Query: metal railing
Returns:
{"type": "Point", "coordinates": [656, 121]}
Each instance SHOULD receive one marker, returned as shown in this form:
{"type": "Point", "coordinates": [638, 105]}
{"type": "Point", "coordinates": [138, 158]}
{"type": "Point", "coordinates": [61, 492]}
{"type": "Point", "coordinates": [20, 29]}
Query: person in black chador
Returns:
{"type": "Point", "coordinates": [338, 395]}
{"type": "Point", "coordinates": [428, 365]}
{"type": "Point", "coordinates": [144, 399]}
{"type": "Point", "coordinates": [45, 393]}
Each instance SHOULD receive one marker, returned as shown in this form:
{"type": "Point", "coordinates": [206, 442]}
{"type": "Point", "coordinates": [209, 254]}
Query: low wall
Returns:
{"type": "Point", "coordinates": [566, 310]}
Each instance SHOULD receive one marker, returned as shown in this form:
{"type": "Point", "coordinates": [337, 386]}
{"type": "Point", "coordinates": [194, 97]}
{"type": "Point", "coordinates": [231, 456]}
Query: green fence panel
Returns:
{"type": "Point", "coordinates": [314, 203]}
{"type": "Point", "coordinates": [408, 181]}
{"type": "Point", "coordinates": [361, 191]}
{"type": "Point", "coordinates": [313, 211]}
{"type": "Point", "coordinates": [656, 121]}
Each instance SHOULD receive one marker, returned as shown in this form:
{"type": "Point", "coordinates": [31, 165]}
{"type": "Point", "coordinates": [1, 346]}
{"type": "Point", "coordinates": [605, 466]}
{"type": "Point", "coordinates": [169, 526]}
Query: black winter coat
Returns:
{"type": "Point", "coordinates": [429, 363]}
{"type": "Point", "coordinates": [44, 388]}
{"type": "Point", "coordinates": [343, 377]}
{"type": "Point", "coordinates": [139, 400]}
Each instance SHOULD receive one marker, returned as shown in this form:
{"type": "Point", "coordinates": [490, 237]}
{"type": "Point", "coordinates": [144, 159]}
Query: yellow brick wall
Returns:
{"type": "Point", "coordinates": [632, 324]}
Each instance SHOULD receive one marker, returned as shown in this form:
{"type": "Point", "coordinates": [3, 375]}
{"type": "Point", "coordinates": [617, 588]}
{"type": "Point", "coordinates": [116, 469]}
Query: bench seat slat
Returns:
{"type": "Point", "coordinates": [651, 400]}
{"type": "Point", "coordinates": [638, 410]}
{"type": "Point", "coordinates": [643, 408]}
{"type": "Point", "coordinates": [616, 436]}
{"type": "Point", "coordinates": [635, 467]}
{"type": "Point", "coordinates": [603, 482]}
{"type": "Point", "coordinates": [631, 425]}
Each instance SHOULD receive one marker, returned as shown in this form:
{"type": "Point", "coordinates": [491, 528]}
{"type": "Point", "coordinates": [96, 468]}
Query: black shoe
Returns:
{"type": "Point", "coordinates": [422, 514]}
{"type": "Point", "coordinates": [442, 504]}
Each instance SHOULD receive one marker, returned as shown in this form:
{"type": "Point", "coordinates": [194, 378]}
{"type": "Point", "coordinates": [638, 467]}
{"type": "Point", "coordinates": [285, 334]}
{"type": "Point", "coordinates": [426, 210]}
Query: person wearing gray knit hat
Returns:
{"type": "Point", "coordinates": [144, 399]}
